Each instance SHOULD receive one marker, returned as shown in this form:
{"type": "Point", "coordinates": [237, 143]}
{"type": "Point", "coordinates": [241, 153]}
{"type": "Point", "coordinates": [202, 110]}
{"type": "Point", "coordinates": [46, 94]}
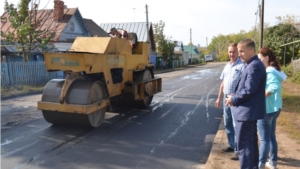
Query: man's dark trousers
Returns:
{"type": "Point", "coordinates": [247, 144]}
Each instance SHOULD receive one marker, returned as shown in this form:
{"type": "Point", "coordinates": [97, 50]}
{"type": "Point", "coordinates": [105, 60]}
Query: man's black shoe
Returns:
{"type": "Point", "coordinates": [228, 149]}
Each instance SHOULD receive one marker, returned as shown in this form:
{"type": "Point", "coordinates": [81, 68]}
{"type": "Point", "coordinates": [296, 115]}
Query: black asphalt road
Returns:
{"type": "Point", "coordinates": [176, 131]}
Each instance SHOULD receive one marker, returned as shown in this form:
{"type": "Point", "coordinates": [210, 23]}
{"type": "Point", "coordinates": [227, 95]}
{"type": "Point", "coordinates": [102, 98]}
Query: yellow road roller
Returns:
{"type": "Point", "coordinates": [99, 71]}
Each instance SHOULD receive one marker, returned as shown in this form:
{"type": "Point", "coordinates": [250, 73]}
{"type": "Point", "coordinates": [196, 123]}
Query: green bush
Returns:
{"type": "Point", "coordinates": [223, 56]}
{"type": "Point", "coordinates": [296, 77]}
{"type": "Point", "coordinates": [288, 70]}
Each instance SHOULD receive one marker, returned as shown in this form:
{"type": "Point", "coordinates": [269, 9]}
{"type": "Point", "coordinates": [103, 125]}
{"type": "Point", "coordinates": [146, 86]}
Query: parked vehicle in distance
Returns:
{"type": "Point", "coordinates": [209, 58]}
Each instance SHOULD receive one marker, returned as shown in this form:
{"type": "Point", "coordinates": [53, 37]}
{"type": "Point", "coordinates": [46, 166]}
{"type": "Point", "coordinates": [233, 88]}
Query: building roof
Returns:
{"type": "Point", "coordinates": [94, 29]}
{"type": "Point", "coordinates": [139, 28]}
{"type": "Point", "coordinates": [48, 22]}
{"type": "Point", "coordinates": [8, 49]}
{"type": "Point", "coordinates": [191, 49]}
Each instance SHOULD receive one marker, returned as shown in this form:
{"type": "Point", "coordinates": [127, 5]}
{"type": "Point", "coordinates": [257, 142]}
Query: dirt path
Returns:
{"type": "Point", "coordinates": [288, 148]}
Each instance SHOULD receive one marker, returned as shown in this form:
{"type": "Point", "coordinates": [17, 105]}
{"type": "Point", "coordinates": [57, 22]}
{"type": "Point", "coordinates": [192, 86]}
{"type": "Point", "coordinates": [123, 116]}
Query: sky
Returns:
{"type": "Point", "coordinates": [205, 18]}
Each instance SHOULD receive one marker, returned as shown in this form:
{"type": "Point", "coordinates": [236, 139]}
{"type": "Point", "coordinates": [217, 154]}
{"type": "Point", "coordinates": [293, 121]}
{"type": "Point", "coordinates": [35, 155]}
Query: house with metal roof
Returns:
{"type": "Point", "coordinates": [179, 54]}
{"type": "Point", "coordinates": [193, 53]}
{"type": "Point", "coordinates": [67, 23]}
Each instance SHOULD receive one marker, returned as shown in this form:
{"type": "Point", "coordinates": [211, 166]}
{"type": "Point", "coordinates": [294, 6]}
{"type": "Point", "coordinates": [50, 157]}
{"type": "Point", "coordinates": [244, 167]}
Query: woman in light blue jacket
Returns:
{"type": "Point", "coordinates": [267, 126]}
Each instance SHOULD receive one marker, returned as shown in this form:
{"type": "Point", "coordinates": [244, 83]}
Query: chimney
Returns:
{"type": "Point", "coordinates": [58, 10]}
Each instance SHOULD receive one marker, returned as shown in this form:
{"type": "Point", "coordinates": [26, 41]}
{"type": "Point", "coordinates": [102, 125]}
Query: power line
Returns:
{"type": "Point", "coordinates": [256, 19]}
{"type": "Point", "coordinates": [173, 25]}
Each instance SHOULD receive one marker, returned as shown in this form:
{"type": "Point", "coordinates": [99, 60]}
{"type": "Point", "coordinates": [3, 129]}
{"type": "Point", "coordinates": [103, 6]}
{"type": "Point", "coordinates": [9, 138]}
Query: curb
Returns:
{"type": "Point", "coordinates": [213, 161]}
{"type": "Point", "coordinates": [218, 159]}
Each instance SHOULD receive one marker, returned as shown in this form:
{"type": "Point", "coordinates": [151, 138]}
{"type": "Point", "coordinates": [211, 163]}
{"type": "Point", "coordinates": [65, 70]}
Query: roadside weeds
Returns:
{"type": "Point", "coordinates": [289, 118]}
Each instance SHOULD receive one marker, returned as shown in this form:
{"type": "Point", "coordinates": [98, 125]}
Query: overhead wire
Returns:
{"type": "Point", "coordinates": [168, 23]}
{"type": "Point", "coordinates": [153, 14]}
{"type": "Point", "coordinates": [257, 14]}
{"type": "Point", "coordinates": [173, 25]}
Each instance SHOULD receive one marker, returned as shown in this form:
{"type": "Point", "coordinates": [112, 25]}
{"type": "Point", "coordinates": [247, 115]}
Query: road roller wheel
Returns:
{"type": "Point", "coordinates": [141, 76]}
{"type": "Point", "coordinates": [81, 92]}
{"type": "Point", "coordinates": [127, 99]}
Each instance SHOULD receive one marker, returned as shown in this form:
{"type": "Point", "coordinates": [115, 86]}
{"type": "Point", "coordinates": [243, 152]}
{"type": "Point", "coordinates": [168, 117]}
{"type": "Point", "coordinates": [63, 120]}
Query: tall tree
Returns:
{"type": "Point", "coordinates": [159, 36]}
{"type": "Point", "coordinates": [165, 45]}
{"type": "Point", "coordinates": [220, 43]}
{"type": "Point", "coordinates": [274, 36]}
{"type": "Point", "coordinates": [288, 19]}
{"type": "Point", "coordinates": [280, 34]}
{"type": "Point", "coordinates": [27, 34]}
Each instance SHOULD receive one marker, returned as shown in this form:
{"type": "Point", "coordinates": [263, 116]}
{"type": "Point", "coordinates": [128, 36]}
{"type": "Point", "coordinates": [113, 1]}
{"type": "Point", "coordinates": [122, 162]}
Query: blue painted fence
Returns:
{"type": "Point", "coordinates": [26, 73]}
{"type": "Point", "coordinates": [153, 60]}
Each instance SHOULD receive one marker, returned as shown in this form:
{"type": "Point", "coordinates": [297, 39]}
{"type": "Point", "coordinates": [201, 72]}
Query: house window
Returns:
{"type": "Point", "coordinates": [72, 26]}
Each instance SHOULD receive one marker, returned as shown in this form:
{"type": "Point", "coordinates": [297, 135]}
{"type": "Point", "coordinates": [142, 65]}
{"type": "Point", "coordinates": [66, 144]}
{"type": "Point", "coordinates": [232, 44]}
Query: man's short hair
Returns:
{"type": "Point", "coordinates": [232, 45]}
{"type": "Point", "coordinates": [249, 43]}
{"type": "Point", "coordinates": [112, 29]}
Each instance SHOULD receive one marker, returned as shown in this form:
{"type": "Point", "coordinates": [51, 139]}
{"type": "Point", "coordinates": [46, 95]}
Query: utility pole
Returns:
{"type": "Point", "coordinates": [206, 43]}
{"type": "Point", "coordinates": [191, 42]}
{"type": "Point", "coordinates": [147, 23]}
{"type": "Point", "coordinates": [257, 14]}
{"type": "Point", "coordinates": [191, 35]}
{"type": "Point", "coordinates": [133, 14]}
{"type": "Point", "coordinates": [261, 25]}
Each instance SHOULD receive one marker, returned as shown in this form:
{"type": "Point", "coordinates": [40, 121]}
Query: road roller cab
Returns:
{"type": "Point", "coordinates": [99, 70]}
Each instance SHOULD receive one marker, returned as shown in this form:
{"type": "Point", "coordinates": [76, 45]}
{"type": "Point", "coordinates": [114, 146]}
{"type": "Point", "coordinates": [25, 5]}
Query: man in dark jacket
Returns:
{"type": "Point", "coordinates": [249, 104]}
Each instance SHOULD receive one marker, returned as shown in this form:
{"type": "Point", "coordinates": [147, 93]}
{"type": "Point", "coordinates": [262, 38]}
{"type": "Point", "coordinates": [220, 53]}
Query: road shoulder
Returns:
{"type": "Point", "coordinates": [288, 152]}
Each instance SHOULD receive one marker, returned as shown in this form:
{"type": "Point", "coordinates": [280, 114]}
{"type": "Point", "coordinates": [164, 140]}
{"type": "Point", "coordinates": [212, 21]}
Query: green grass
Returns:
{"type": "Point", "coordinates": [291, 102]}
{"type": "Point", "coordinates": [20, 89]}
{"type": "Point", "coordinates": [289, 117]}
{"type": "Point", "coordinates": [296, 77]}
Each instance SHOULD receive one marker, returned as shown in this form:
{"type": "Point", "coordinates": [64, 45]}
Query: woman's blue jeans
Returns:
{"type": "Point", "coordinates": [267, 133]}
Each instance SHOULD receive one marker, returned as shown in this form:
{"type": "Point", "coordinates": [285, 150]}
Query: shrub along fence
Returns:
{"type": "Point", "coordinates": [16, 75]}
